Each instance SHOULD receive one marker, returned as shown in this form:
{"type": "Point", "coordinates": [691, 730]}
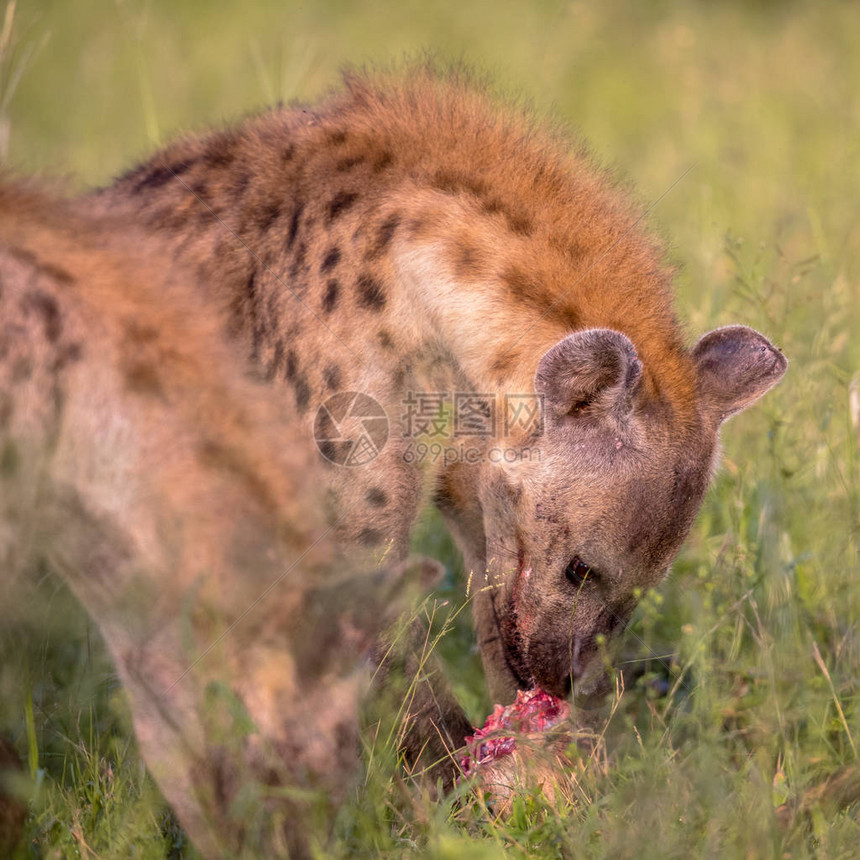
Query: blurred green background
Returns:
{"type": "Point", "coordinates": [718, 747]}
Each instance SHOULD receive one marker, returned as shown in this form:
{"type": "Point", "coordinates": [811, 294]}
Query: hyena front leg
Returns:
{"type": "Point", "coordinates": [410, 680]}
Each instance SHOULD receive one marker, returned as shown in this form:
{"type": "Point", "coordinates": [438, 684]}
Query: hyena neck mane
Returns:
{"type": "Point", "coordinates": [416, 234]}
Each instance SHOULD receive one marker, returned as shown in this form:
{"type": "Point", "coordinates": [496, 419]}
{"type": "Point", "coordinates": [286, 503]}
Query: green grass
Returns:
{"type": "Point", "coordinates": [737, 716]}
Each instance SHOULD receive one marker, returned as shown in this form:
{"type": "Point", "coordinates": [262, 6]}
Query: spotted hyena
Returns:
{"type": "Point", "coordinates": [409, 235]}
{"type": "Point", "coordinates": [168, 490]}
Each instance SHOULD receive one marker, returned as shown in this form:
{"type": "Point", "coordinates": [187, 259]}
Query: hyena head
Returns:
{"type": "Point", "coordinates": [579, 528]}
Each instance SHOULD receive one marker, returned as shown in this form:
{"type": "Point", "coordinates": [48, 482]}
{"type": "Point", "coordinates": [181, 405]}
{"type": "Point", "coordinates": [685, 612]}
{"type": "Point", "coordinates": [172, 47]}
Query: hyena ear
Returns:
{"type": "Point", "coordinates": [736, 365]}
{"type": "Point", "coordinates": [592, 368]}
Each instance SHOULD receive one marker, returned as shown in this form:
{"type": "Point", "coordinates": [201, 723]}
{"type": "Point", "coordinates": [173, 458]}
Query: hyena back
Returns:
{"type": "Point", "coordinates": [409, 234]}
{"type": "Point", "coordinates": [165, 487]}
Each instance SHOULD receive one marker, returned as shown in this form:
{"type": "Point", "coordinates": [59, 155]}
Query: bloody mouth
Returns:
{"type": "Point", "coordinates": [511, 636]}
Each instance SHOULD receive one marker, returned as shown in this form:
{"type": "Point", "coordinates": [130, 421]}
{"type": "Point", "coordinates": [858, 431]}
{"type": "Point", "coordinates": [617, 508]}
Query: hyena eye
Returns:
{"type": "Point", "coordinates": [577, 571]}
